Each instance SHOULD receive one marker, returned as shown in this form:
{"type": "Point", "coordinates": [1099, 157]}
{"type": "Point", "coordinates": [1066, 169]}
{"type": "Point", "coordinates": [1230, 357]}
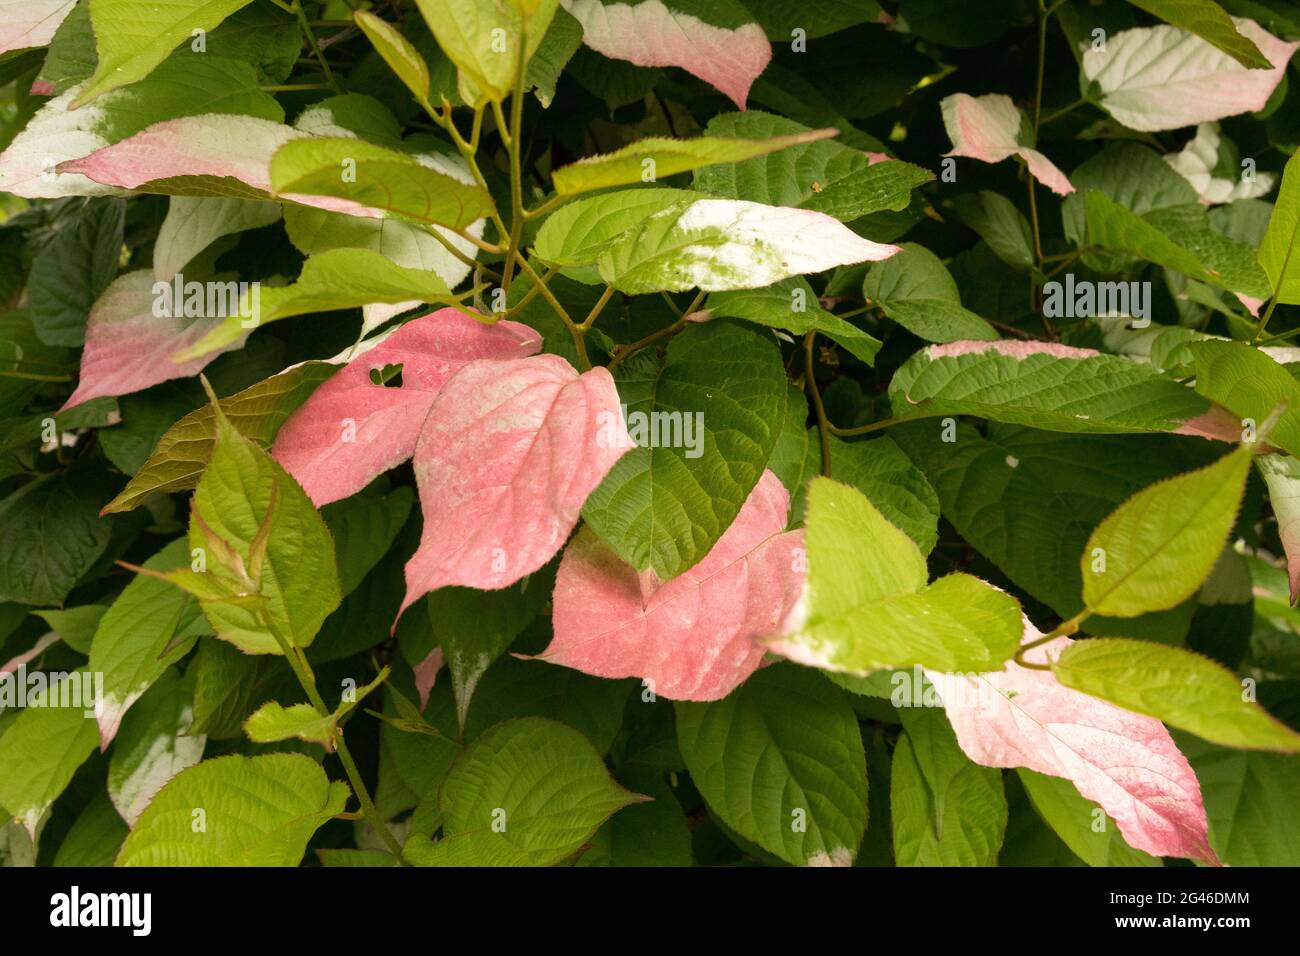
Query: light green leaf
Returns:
{"type": "Point", "coordinates": [41, 750]}
{"type": "Point", "coordinates": [1277, 253]}
{"type": "Point", "coordinates": [485, 39]}
{"type": "Point", "coordinates": [193, 223]}
{"type": "Point", "coordinates": [402, 58]}
{"type": "Point", "coordinates": [1156, 548]}
{"type": "Point", "coordinates": [1043, 386]}
{"type": "Point", "coordinates": [792, 305]}
{"type": "Point", "coordinates": [946, 810]}
{"type": "Point", "coordinates": [76, 625]}
{"type": "Point", "coordinates": [528, 792]}
{"type": "Point", "coordinates": [574, 237]}
{"type": "Point", "coordinates": [916, 291]}
{"type": "Point", "coordinates": [377, 178]}
{"type": "Point", "coordinates": [255, 811]}
{"type": "Point", "coordinates": [780, 760]}
{"type": "Point", "coordinates": [562, 39]}
{"type": "Point", "coordinates": [274, 722]}
{"type": "Point", "coordinates": [183, 452]}
{"type": "Point", "coordinates": [95, 837]}
{"type": "Point", "coordinates": [338, 279]}
{"type": "Point", "coordinates": [1210, 22]}
{"type": "Point", "coordinates": [665, 507]}
{"type": "Point", "coordinates": [648, 160]}
{"type": "Point", "coordinates": [1074, 819]}
{"type": "Point", "coordinates": [1250, 384]}
{"type": "Point", "coordinates": [868, 610]}
{"type": "Point", "coordinates": [134, 36]}
{"type": "Point", "coordinates": [150, 626]}
{"type": "Point", "coordinates": [264, 544]}
{"type": "Point", "coordinates": [1177, 686]}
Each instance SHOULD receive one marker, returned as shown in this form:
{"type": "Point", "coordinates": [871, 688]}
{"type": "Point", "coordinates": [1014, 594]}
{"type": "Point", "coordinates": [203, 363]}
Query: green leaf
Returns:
{"type": "Point", "coordinates": [562, 40]}
{"type": "Point", "coordinates": [1250, 384]}
{"type": "Point", "coordinates": [41, 750]}
{"type": "Point", "coordinates": [792, 305]}
{"type": "Point", "coordinates": [333, 280]}
{"type": "Point", "coordinates": [134, 36]}
{"type": "Point", "coordinates": [474, 628]}
{"type": "Point", "coordinates": [1177, 238]}
{"type": "Point", "coordinates": [273, 722]}
{"type": "Point", "coordinates": [648, 160]}
{"type": "Point", "coordinates": [150, 626]}
{"type": "Point", "coordinates": [235, 811]}
{"type": "Point", "coordinates": [1156, 548]}
{"type": "Point", "coordinates": [574, 237]}
{"type": "Point", "coordinates": [53, 535]}
{"type": "Point", "coordinates": [1277, 254]}
{"type": "Point", "coordinates": [183, 452]}
{"type": "Point", "coordinates": [229, 685]}
{"type": "Point", "coordinates": [880, 470]}
{"type": "Point", "coordinates": [76, 625]}
{"type": "Point", "coordinates": [1028, 500]}
{"type": "Point", "coordinates": [485, 39]}
{"type": "Point", "coordinates": [95, 837]}
{"type": "Point", "coordinates": [1211, 23]}
{"type": "Point", "coordinates": [1083, 825]}
{"type": "Point", "coordinates": [1250, 801]}
{"type": "Point", "coordinates": [154, 745]}
{"type": "Point", "coordinates": [868, 610]}
{"type": "Point", "coordinates": [528, 792]}
{"type": "Point", "coordinates": [824, 175]}
{"type": "Point", "coordinates": [72, 270]}
{"type": "Point", "coordinates": [401, 57]}
{"type": "Point", "coordinates": [1000, 224]}
{"type": "Point", "coordinates": [915, 290]}
{"type": "Point", "coordinates": [377, 178]}
{"type": "Point", "coordinates": [261, 538]}
{"type": "Point", "coordinates": [1050, 387]}
{"type": "Point", "coordinates": [780, 760]}
{"type": "Point", "coordinates": [364, 527]}
{"type": "Point", "coordinates": [665, 507]}
{"type": "Point", "coordinates": [946, 810]}
{"type": "Point", "coordinates": [1174, 685]}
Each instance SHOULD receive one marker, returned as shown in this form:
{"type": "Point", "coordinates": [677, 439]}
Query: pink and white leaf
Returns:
{"type": "Point", "coordinates": [30, 23]}
{"type": "Point", "coordinates": [351, 430]}
{"type": "Point", "coordinates": [1162, 78]}
{"type": "Point", "coordinates": [654, 33]}
{"type": "Point", "coordinates": [988, 128]}
{"type": "Point", "coordinates": [508, 455]}
{"type": "Point", "coordinates": [1125, 762]}
{"type": "Point", "coordinates": [693, 637]}
{"type": "Point", "coordinates": [129, 347]}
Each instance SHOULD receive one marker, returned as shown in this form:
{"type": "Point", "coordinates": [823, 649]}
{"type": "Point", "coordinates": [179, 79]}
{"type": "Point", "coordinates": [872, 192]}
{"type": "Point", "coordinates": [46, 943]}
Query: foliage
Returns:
{"type": "Point", "coordinates": [763, 412]}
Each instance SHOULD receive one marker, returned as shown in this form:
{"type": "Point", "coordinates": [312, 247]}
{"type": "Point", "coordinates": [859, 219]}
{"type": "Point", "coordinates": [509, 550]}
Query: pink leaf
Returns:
{"type": "Point", "coordinates": [987, 128]}
{"type": "Point", "coordinates": [129, 347]}
{"type": "Point", "coordinates": [507, 458]}
{"type": "Point", "coordinates": [426, 675]}
{"type": "Point", "coordinates": [652, 33]}
{"type": "Point", "coordinates": [352, 430]}
{"type": "Point", "coordinates": [222, 145]}
{"type": "Point", "coordinates": [692, 636]}
{"type": "Point", "coordinates": [1123, 761]}
{"type": "Point", "coordinates": [30, 23]}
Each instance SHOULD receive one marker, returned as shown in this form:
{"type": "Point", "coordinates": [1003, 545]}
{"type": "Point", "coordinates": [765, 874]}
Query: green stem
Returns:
{"type": "Point", "coordinates": [623, 351]}
{"type": "Point", "coordinates": [823, 424]}
{"type": "Point", "coordinates": [298, 11]}
{"type": "Point", "coordinates": [1063, 629]}
{"type": "Point", "coordinates": [1268, 313]}
{"type": "Point", "coordinates": [1057, 114]}
{"type": "Point", "coordinates": [297, 662]}
{"type": "Point", "coordinates": [514, 147]}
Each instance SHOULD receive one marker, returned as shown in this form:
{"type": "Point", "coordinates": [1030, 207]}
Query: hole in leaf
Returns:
{"type": "Point", "coordinates": [389, 376]}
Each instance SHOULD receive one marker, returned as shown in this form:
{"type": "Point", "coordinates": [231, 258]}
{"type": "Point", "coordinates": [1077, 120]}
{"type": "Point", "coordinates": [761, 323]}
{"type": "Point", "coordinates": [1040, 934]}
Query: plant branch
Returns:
{"type": "Point", "coordinates": [1063, 629]}
{"type": "Point", "coordinates": [823, 425]}
{"type": "Point", "coordinates": [514, 146]}
{"type": "Point", "coordinates": [298, 11]}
